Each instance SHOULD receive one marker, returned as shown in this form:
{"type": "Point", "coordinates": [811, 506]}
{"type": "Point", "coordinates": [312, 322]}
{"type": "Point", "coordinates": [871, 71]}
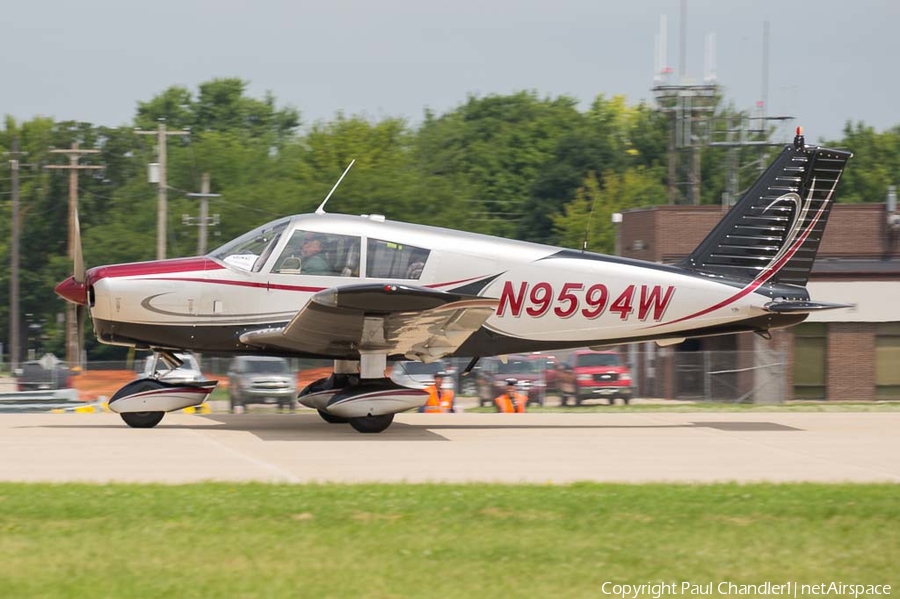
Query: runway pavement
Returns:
{"type": "Point", "coordinates": [536, 448]}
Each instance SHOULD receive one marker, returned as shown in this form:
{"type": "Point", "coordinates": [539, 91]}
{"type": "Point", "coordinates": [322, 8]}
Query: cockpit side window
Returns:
{"type": "Point", "coordinates": [389, 260]}
{"type": "Point", "coordinates": [251, 250]}
{"type": "Point", "coordinates": [324, 254]}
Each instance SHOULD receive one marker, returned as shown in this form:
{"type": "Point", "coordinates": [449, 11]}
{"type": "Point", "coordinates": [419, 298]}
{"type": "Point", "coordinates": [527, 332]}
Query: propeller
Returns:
{"type": "Point", "coordinates": [78, 273]}
{"type": "Point", "coordinates": [79, 276]}
{"type": "Point", "coordinates": [74, 288]}
{"type": "Point", "coordinates": [78, 267]}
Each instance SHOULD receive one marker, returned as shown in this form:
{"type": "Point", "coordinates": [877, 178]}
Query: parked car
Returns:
{"type": "Point", "coordinates": [593, 374]}
{"type": "Point", "coordinates": [261, 380]}
{"type": "Point", "coordinates": [493, 372]}
{"type": "Point", "coordinates": [188, 372]}
{"type": "Point", "coordinates": [549, 367]}
{"type": "Point", "coordinates": [418, 375]}
{"type": "Point", "coordinates": [48, 373]}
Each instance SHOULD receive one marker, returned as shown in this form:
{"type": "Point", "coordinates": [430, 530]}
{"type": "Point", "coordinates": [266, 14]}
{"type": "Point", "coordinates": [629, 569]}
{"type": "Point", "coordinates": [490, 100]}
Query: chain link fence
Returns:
{"type": "Point", "coordinates": [758, 377]}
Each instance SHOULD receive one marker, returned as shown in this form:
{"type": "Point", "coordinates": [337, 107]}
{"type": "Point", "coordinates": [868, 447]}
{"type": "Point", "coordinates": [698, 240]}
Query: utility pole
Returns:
{"type": "Point", "coordinates": [203, 220]}
{"type": "Point", "coordinates": [73, 343]}
{"type": "Point", "coordinates": [161, 202]}
{"type": "Point", "coordinates": [15, 342]}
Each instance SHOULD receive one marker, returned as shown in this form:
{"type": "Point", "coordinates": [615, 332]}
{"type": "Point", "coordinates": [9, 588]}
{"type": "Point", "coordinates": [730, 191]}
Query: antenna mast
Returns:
{"type": "Point", "coordinates": [587, 228]}
{"type": "Point", "coordinates": [321, 208]}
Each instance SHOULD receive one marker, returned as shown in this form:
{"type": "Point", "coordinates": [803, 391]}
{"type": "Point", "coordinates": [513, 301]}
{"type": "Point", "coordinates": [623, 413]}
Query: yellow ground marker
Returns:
{"type": "Point", "coordinates": [104, 407]}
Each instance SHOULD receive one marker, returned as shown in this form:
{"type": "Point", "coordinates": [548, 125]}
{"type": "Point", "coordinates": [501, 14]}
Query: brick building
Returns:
{"type": "Point", "coordinates": [848, 354]}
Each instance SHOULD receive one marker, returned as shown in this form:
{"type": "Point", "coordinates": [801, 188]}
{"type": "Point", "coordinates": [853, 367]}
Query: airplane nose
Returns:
{"type": "Point", "coordinates": [72, 291]}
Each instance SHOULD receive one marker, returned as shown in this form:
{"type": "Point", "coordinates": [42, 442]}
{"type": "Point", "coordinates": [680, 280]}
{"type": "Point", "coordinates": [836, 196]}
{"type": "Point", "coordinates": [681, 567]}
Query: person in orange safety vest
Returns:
{"type": "Point", "coordinates": [440, 400]}
{"type": "Point", "coordinates": [512, 401]}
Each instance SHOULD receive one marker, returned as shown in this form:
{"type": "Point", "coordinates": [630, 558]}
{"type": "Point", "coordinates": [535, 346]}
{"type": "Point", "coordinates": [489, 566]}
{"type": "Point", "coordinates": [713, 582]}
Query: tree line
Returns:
{"type": "Point", "coordinates": [520, 165]}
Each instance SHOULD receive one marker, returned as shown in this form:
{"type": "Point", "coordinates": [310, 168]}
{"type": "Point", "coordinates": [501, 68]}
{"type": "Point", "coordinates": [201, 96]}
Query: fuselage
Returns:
{"type": "Point", "coordinates": [549, 297]}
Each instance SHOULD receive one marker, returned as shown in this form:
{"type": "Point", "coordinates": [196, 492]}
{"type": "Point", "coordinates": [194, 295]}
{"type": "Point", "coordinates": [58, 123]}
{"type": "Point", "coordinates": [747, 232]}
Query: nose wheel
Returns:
{"type": "Point", "coordinates": [371, 424]}
{"type": "Point", "coordinates": [142, 419]}
{"type": "Point", "coordinates": [139, 419]}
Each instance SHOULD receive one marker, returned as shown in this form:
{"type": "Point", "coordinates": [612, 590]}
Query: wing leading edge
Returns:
{"type": "Point", "coordinates": [414, 322]}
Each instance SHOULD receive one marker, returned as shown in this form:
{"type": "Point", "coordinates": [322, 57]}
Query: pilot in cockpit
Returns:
{"type": "Point", "coordinates": [312, 262]}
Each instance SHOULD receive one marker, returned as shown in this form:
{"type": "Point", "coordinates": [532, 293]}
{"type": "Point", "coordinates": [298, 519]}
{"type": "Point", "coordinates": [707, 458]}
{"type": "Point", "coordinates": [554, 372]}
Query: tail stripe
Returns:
{"type": "Point", "coordinates": [759, 280]}
{"type": "Point", "coordinates": [793, 195]}
{"type": "Point", "coordinates": [789, 229]}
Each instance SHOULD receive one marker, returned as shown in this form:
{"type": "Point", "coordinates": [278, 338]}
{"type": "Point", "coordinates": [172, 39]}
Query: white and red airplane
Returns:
{"type": "Point", "coordinates": [362, 290]}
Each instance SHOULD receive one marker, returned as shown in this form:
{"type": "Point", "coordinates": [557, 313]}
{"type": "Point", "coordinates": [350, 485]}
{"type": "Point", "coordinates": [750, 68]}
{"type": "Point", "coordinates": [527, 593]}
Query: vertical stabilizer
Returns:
{"type": "Point", "coordinates": [773, 233]}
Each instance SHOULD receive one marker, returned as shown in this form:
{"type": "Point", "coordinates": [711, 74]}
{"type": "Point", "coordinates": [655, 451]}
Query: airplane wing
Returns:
{"type": "Point", "coordinates": [415, 322]}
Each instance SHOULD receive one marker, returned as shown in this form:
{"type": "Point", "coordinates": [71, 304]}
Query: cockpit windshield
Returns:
{"type": "Point", "coordinates": [251, 250]}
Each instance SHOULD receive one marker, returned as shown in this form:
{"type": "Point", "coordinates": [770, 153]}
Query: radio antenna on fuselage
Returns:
{"type": "Point", "coordinates": [587, 228]}
{"type": "Point", "coordinates": [321, 208]}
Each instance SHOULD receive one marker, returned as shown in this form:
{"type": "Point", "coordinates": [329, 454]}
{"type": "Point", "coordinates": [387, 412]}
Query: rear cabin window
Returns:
{"type": "Point", "coordinates": [389, 260]}
{"type": "Point", "coordinates": [324, 254]}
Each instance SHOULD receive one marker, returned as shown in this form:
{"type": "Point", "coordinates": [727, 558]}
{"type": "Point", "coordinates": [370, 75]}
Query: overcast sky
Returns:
{"type": "Point", "coordinates": [94, 60]}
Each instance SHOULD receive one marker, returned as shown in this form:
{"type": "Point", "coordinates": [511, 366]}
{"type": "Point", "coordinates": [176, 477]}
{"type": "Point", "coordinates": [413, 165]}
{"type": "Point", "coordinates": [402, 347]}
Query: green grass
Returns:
{"type": "Point", "coordinates": [446, 541]}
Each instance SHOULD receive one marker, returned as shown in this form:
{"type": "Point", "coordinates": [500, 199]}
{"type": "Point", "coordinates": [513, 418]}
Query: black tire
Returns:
{"type": "Point", "coordinates": [139, 419]}
{"type": "Point", "coordinates": [142, 419]}
{"type": "Point", "coordinates": [332, 419]}
{"type": "Point", "coordinates": [371, 424]}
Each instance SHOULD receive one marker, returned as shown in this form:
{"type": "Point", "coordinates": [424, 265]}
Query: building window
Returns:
{"type": "Point", "coordinates": [887, 360]}
{"type": "Point", "coordinates": [810, 355]}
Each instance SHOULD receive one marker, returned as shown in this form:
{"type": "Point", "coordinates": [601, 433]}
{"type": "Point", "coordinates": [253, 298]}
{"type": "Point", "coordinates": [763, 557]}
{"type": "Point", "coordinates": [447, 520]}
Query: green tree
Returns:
{"type": "Point", "coordinates": [588, 218]}
{"type": "Point", "coordinates": [498, 145]}
{"type": "Point", "coordinates": [613, 136]}
{"type": "Point", "coordinates": [875, 164]}
{"type": "Point", "coordinates": [220, 105]}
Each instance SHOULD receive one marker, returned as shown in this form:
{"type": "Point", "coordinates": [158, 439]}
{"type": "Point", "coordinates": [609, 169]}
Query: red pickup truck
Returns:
{"type": "Point", "coordinates": [591, 374]}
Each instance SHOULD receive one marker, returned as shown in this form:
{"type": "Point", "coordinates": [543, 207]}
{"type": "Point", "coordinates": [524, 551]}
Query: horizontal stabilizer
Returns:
{"type": "Point", "coordinates": [805, 306]}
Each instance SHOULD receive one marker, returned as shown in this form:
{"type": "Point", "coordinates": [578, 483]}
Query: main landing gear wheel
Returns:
{"type": "Point", "coordinates": [371, 424]}
{"type": "Point", "coordinates": [139, 419]}
{"type": "Point", "coordinates": [142, 419]}
{"type": "Point", "coordinates": [332, 419]}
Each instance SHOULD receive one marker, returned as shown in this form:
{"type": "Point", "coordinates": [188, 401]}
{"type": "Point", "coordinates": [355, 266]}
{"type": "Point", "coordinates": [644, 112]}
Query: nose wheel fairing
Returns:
{"type": "Point", "coordinates": [152, 395]}
{"type": "Point", "coordinates": [368, 397]}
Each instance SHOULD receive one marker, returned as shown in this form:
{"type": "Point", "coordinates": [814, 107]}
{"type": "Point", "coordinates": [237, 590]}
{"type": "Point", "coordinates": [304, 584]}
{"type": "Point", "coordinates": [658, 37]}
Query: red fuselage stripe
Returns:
{"type": "Point", "coordinates": [244, 284]}
{"type": "Point", "coordinates": [158, 267]}
{"type": "Point", "coordinates": [196, 265]}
